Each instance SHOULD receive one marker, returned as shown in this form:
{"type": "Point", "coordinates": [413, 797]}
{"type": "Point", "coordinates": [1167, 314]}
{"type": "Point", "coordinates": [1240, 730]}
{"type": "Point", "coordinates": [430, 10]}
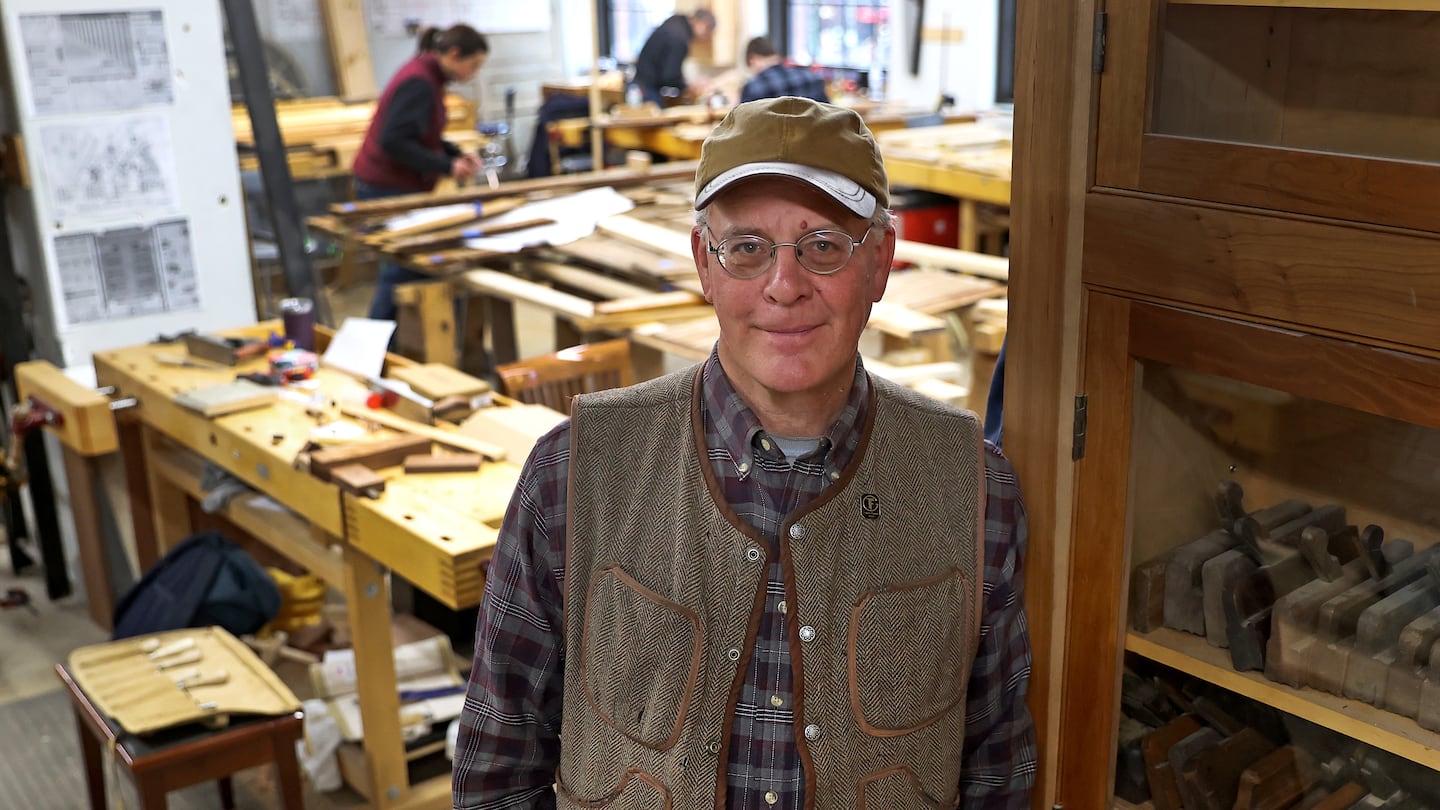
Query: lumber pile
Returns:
{"type": "Point", "coordinates": [322, 135]}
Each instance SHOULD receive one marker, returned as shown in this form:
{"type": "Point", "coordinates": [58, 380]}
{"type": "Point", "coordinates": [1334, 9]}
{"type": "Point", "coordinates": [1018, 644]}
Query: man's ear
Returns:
{"type": "Point", "coordinates": [884, 260]}
{"type": "Point", "coordinates": [702, 260]}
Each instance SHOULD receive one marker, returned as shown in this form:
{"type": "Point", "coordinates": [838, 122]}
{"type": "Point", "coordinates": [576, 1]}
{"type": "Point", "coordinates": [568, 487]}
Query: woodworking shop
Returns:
{"type": "Point", "coordinates": [475, 404]}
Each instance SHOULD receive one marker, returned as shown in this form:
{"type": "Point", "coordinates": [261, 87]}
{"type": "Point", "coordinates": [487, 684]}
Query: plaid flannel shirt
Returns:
{"type": "Point", "coordinates": [785, 80]}
{"type": "Point", "coordinates": [509, 743]}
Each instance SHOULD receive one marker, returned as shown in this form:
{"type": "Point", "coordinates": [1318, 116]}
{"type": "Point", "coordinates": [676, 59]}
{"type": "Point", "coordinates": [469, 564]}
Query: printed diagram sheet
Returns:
{"type": "Point", "coordinates": [96, 62]}
{"type": "Point", "coordinates": [110, 168]}
{"type": "Point", "coordinates": [129, 271]}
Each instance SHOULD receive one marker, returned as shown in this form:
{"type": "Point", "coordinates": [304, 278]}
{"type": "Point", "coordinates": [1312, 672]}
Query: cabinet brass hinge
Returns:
{"type": "Point", "coordinates": [1077, 437]}
{"type": "Point", "coordinates": [1097, 58]}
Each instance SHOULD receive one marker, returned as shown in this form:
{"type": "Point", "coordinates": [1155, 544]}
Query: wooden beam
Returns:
{"type": "Point", "coordinates": [601, 286]}
{"type": "Point", "coordinates": [349, 43]}
{"type": "Point", "coordinates": [960, 261]}
{"type": "Point", "coordinates": [504, 285]}
{"type": "Point", "coordinates": [448, 438]}
{"type": "Point", "coordinates": [618, 178]}
{"type": "Point", "coordinates": [671, 242]}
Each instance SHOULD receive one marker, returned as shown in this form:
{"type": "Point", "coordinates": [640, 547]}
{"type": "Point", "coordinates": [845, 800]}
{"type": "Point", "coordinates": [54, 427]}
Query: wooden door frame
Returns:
{"type": "Point", "coordinates": [1054, 110]}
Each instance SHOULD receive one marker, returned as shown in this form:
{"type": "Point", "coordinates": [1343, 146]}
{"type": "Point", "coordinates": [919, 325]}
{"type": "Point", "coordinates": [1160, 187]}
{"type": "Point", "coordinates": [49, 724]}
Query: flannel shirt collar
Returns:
{"type": "Point", "coordinates": [733, 429]}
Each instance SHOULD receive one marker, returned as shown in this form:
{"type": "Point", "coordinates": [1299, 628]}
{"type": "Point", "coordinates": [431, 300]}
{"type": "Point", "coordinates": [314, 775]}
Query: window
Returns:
{"type": "Point", "coordinates": [1005, 54]}
{"type": "Point", "coordinates": [846, 34]}
{"type": "Point", "coordinates": [626, 24]}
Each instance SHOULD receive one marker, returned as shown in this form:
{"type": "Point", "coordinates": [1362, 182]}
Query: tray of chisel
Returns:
{"type": "Point", "coordinates": [160, 680]}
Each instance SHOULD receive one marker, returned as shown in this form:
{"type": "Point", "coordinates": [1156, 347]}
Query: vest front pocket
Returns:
{"type": "Point", "coordinates": [637, 791]}
{"type": "Point", "coordinates": [639, 658]}
{"type": "Point", "coordinates": [909, 653]}
{"type": "Point", "coordinates": [893, 789]}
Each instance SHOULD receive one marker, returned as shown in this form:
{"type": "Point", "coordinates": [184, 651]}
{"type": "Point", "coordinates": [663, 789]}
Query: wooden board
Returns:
{"type": "Point", "coordinates": [445, 463]}
{"type": "Point", "coordinates": [349, 41]}
{"type": "Point", "coordinates": [438, 381]}
{"type": "Point", "coordinates": [560, 184]}
{"type": "Point", "coordinates": [516, 428]}
{"type": "Point", "coordinates": [448, 438]}
{"type": "Point", "coordinates": [374, 453]}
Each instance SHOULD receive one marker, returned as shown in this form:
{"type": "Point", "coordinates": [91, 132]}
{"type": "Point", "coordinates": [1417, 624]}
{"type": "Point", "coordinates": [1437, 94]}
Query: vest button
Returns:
{"type": "Point", "coordinates": [812, 732]}
{"type": "Point", "coordinates": [771, 797]}
{"type": "Point", "coordinates": [797, 531]}
{"type": "Point", "coordinates": [781, 607]}
{"type": "Point", "coordinates": [752, 554]}
{"type": "Point", "coordinates": [713, 746]}
{"type": "Point", "coordinates": [733, 654]}
{"type": "Point", "coordinates": [807, 633]}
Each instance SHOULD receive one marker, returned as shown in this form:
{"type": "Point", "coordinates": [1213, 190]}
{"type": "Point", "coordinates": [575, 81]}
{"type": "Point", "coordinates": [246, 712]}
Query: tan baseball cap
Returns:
{"type": "Point", "coordinates": [827, 146]}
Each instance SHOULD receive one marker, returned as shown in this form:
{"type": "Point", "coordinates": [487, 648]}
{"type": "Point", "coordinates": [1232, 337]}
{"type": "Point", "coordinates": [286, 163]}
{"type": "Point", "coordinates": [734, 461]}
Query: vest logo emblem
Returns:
{"type": "Point", "coordinates": [870, 506]}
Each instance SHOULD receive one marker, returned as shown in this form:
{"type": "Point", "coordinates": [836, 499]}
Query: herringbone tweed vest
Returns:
{"type": "Point", "coordinates": [665, 585]}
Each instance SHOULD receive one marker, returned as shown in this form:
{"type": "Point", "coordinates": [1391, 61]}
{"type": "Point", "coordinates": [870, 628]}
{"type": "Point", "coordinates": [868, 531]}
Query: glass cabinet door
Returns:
{"type": "Point", "coordinates": [1324, 107]}
{"type": "Point", "coordinates": [1265, 505]}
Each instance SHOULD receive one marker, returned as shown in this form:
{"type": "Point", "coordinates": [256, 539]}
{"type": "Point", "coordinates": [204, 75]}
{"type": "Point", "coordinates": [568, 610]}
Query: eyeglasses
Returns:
{"type": "Point", "coordinates": [820, 252]}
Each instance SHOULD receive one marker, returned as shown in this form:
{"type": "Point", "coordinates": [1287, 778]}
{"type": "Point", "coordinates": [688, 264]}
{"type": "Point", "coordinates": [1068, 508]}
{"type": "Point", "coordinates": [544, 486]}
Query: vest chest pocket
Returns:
{"type": "Point", "coordinates": [910, 647]}
{"type": "Point", "coordinates": [639, 658]}
{"type": "Point", "coordinates": [637, 791]}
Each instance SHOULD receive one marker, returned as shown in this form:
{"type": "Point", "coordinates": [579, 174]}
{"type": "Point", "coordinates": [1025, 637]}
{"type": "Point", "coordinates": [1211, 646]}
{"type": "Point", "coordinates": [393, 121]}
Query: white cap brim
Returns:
{"type": "Point", "coordinates": [845, 191]}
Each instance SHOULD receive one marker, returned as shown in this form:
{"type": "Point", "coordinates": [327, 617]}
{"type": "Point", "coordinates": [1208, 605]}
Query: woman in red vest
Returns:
{"type": "Point", "coordinates": [404, 151]}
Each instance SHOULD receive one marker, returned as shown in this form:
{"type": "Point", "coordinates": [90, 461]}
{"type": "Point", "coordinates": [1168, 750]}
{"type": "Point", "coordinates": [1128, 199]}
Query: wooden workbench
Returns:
{"type": "Point", "coordinates": [679, 132]}
{"type": "Point", "coordinates": [970, 162]}
{"type": "Point", "coordinates": [433, 531]}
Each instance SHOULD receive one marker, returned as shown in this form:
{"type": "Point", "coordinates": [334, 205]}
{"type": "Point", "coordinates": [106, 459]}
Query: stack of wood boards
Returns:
{"type": "Point", "coordinates": [430, 238]}
{"type": "Point", "coordinates": [977, 148]}
{"type": "Point", "coordinates": [322, 135]}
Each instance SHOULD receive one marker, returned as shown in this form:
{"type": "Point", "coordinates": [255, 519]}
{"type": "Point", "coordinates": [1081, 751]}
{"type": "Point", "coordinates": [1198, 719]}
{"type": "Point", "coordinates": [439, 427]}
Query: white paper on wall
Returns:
{"type": "Point", "coordinates": [127, 271]}
{"type": "Point", "coordinates": [96, 62]}
{"type": "Point", "coordinates": [109, 168]}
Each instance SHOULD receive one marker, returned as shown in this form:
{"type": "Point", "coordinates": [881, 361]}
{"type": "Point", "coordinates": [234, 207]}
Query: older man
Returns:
{"type": "Point", "coordinates": [771, 579]}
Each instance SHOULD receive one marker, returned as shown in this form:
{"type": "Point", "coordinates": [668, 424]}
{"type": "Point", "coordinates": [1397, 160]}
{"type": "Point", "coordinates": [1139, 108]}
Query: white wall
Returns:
{"type": "Point", "coordinates": [964, 69]}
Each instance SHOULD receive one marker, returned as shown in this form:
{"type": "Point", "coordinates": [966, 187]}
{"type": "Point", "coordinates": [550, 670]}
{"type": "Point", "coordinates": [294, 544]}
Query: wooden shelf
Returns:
{"type": "Point", "coordinates": [1350, 5]}
{"type": "Point", "coordinates": [1391, 732]}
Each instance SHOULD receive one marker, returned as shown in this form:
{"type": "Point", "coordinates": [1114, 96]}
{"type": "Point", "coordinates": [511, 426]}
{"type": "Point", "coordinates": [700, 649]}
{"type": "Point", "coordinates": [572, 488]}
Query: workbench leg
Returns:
{"type": "Point", "coordinates": [437, 323]}
{"type": "Point", "coordinates": [349, 270]}
{"type": "Point", "coordinates": [472, 337]}
{"type": "Point", "coordinates": [169, 505]}
{"type": "Point", "coordinates": [131, 433]}
{"type": "Point", "coordinates": [646, 361]}
{"type": "Point", "coordinates": [368, 603]}
{"type": "Point", "coordinates": [969, 225]}
{"type": "Point", "coordinates": [567, 334]}
{"type": "Point", "coordinates": [90, 535]}
{"type": "Point", "coordinates": [503, 342]}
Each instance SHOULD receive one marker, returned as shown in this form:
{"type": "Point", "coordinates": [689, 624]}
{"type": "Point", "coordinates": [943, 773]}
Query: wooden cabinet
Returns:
{"type": "Point", "coordinates": [1322, 107]}
{"type": "Point", "coordinates": [1260, 278]}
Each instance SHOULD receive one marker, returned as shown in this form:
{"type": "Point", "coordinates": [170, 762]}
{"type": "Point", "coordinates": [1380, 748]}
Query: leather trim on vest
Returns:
{"type": "Point", "coordinates": [787, 563]}
{"type": "Point", "coordinates": [656, 629]}
{"type": "Point", "coordinates": [907, 600]}
{"type": "Point", "coordinates": [757, 609]}
{"type": "Point", "coordinates": [635, 800]}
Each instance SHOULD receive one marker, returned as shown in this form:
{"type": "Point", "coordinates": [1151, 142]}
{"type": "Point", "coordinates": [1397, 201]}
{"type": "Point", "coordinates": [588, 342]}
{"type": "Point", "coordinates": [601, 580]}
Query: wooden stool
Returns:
{"type": "Point", "coordinates": [178, 758]}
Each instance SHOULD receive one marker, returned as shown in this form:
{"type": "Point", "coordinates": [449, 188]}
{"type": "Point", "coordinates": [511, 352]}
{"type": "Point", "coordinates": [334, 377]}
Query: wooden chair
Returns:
{"type": "Point", "coordinates": [552, 379]}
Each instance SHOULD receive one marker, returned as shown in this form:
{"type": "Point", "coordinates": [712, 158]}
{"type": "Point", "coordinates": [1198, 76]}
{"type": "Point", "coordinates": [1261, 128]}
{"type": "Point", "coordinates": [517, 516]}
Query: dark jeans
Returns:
{"type": "Point", "coordinates": [382, 306]}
